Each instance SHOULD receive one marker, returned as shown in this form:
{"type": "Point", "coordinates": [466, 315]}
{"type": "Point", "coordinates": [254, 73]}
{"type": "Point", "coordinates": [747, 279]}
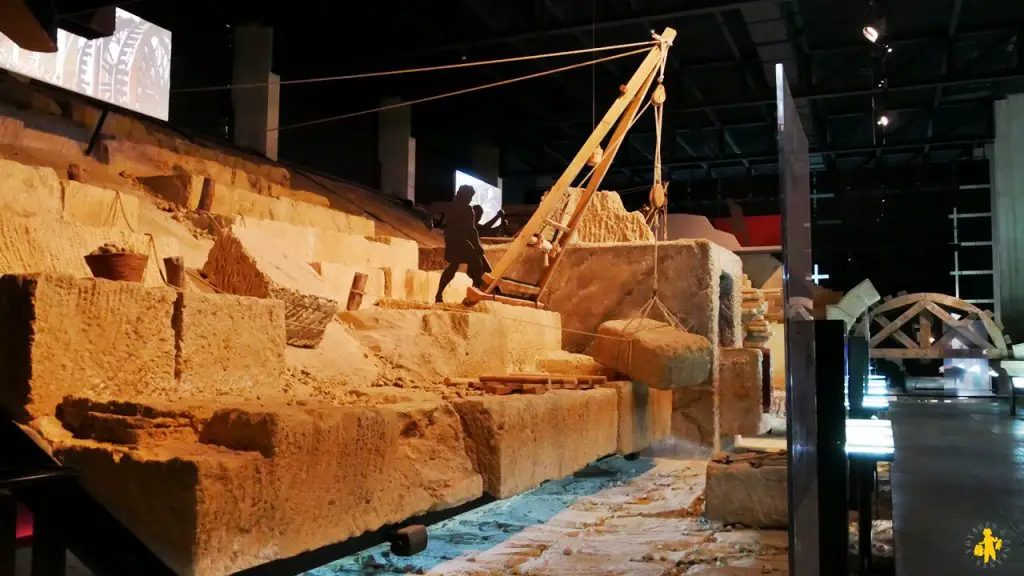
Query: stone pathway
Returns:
{"type": "Point", "coordinates": [649, 526]}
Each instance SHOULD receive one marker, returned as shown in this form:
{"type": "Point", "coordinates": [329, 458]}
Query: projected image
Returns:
{"type": "Point", "coordinates": [487, 197]}
{"type": "Point", "coordinates": [131, 69]}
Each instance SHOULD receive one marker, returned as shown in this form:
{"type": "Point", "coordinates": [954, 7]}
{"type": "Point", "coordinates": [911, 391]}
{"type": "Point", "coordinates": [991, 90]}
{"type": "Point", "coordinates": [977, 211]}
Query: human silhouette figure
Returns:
{"type": "Point", "coordinates": [487, 228]}
{"type": "Point", "coordinates": [986, 549]}
{"type": "Point", "coordinates": [462, 241]}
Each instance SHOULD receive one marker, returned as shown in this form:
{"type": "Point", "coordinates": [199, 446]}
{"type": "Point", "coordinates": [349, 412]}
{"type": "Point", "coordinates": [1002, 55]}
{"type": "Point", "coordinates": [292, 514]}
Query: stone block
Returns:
{"type": "Point", "coordinates": [695, 416]}
{"type": "Point", "coordinates": [569, 363]}
{"type": "Point", "coordinates": [338, 278]}
{"type": "Point", "coordinates": [511, 438]}
{"type": "Point", "coordinates": [426, 346]}
{"type": "Point", "coordinates": [99, 207]}
{"type": "Point", "coordinates": [278, 191]}
{"type": "Point", "coordinates": [36, 245]}
{"type": "Point", "coordinates": [653, 353]}
{"type": "Point", "coordinates": [269, 484]}
{"type": "Point", "coordinates": [180, 188]}
{"type": "Point", "coordinates": [739, 388]}
{"type": "Point", "coordinates": [605, 220]}
{"type": "Point", "coordinates": [738, 493]}
{"type": "Point", "coordinates": [29, 190]}
{"type": "Point", "coordinates": [528, 331]}
{"type": "Point", "coordinates": [599, 282]}
{"type": "Point", "coordinates": [247, 263]}
{"type": "Point", "coordinates": [401, 253]}
{"type": "Point", "coordinates": [64, 335]}
{"type": "Point", "coordinates": [229, 345]}
{"type": "Point", "coordinates": [645, 415]}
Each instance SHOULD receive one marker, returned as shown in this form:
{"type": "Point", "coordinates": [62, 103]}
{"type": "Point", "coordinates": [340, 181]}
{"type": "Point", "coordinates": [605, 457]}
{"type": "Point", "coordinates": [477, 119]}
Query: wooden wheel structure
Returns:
{"type": "Point", "coordinates": [927, 326]}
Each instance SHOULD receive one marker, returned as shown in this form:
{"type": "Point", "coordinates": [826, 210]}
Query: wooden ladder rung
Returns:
{"type": "Point", "coordinates": [474, 295]}
{"type": "Point", "coordinates": [508, 284]}
{"type": "Point", "coordinates": [556, 225]}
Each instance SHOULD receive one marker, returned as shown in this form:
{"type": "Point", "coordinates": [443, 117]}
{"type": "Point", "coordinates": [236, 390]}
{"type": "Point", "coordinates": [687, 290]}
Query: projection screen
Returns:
{"type": "Point", "coordinates": [131, 69]}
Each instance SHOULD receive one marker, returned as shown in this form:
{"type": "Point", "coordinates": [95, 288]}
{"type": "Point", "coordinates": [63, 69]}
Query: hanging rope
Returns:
{"type": "Point", "coordinates": [422, 69]}
{"type": "Point", "coordinates": [457, 92]}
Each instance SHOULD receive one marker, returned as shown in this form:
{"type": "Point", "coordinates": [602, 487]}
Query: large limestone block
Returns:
{"type": "Point", "coordinates": [373, 251]}
{"type": "Point", "coordinates": [247, 263]}
{"type": "Point", "coordinates": [29, 190]}
{"type": "Point", "coordinates": [529, 332]}
{"type": "Point", "coordinates": [229, 345]}
{"type": "Point", "coordinates": [427, 346]}
{"type": "Point", "coordinates": [34, 245]}
{"type": "Point", "coordinates": [695, 416]}
{"type": "Point", "coordinates": [520, 441]}
{"type": "Point", "coordinates": [571, 364]}
{"type": "Point", "coordinates": [99, 207]}
{"type": "Point", "coordinates": [273, 483]}
{"type": "Point", "coordinates": [738, 493]}
{"type": "Point", "coordinates": [300, 240]}
{"type": "Point", "coordinates": [278, 191]}
{"type": "Point", "coordinates": [64, 335]}
{"type": "Point", "coordinates": [653, 353]}
{"type": "Point", "coordinates": [740, 391]}
{"type": "Point", "coordinates": [302, 214]}
{"type": "Point", "coordinates": [402, 253]}
{"type": "Point", "coordinates": [339, 277]}
{"type": "Point", "coordinates": [645, 415]}
{"type": "Point", "coordinates": [599, 282]}
{"type": "Point", "coordinates": [605, 220]}
{"type": "Point", "coordinates": [181, 188]}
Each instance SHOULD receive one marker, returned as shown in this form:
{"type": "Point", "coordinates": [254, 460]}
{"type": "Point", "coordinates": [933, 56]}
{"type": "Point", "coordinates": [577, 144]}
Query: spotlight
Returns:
{"type": "Point", "coordinates": [883, 120]}
{"type": "Point", "coordinates": [871, 33]}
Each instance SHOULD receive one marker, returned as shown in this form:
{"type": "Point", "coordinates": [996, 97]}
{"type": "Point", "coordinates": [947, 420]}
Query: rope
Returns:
{"type": "Point", "coordinates": [152, 239]}
{"type": "Point", "coordinates": [422, 69]}
{"type": "Point", "coordinates": [456, 93]}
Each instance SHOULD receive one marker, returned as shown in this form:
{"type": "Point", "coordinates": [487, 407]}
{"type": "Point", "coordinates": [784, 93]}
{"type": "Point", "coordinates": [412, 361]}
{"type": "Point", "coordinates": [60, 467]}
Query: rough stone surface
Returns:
{"type": "Point", "coordinates": [606, 219]}
{"type": "Point", "coordinates": [569, 363]}
{"type": "Point", "coordinates": [29, 190]}
{"type": "Point", "coordinates": [246, 263]}
{"type": "Point", "coordinates": [739, 493]}
{"type": "Point", "coordinates": [740, 391]}
{"type": "Point", "coordinates": [181, 188]}
{"type": "Point", "coordinates": [312, 244]}
{"type": "Point", "coordinates": [35, 245]}
{"type": "Point", "coordinates": [597, 283]}
{"type": "Point", "coordinates": [99, 207]}
{"type": "Point", "coordinates": [653, 353]}
{"type": "Point", "coordinates": [229, 345]}
{"type": "Point", "coordinates": [645, 415]}
{"type": "Point", "coordinates": [264, 484]}
{"type": "Point", "coordinates": [338, 279]}
{"type": "Point", "coordinates": [510, 437]}
{"type": "Point", "coordinates": [696, 416]}
{"type": "Point", "coordinates": [64, 335]}
{"type": "Point", "coordinates": [528, 331]}
{"type": "Point", "coordinates": [430, 345]}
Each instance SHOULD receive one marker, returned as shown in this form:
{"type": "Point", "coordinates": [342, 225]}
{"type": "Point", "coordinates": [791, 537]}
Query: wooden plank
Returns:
{"type": "Point", "coordinates": [473, 294]}
{"type": "Point", "coordinates": [553, 199]}
{"type": "Point", "coordinates": [897, 323]}
{"type": "Point", "coordinates": [961, 327]}
{"type": "Point", "coordinates": [935, 353]}
{"type": "Point", "coordinates": [897, 334]}
{"type": "Point", "coordinates": [924, 329]}
{"type": "Point", "coordinates": [889, 303]}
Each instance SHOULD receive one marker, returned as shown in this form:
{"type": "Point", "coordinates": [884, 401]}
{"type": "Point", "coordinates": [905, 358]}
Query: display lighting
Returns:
{"type": "Point", "coordinates": [871, 33]}
{"type": "Point", "coordinates": [883, 120]}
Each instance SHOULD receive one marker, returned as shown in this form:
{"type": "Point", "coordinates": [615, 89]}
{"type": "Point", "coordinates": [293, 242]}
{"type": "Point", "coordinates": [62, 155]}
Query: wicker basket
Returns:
{"type": "Point", "coordinates": [123, 266]}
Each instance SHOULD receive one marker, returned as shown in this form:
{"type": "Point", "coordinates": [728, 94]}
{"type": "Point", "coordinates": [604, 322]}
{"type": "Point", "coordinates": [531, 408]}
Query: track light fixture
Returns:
{"type": "Point", "coordinates": [874, 28]}
{"type": "Point", "coordinates": [883, 120]}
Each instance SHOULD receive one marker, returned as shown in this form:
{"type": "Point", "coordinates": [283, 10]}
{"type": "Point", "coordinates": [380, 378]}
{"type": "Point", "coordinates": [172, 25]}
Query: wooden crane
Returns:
{"type": "Point", "coordinates": [624, 111]}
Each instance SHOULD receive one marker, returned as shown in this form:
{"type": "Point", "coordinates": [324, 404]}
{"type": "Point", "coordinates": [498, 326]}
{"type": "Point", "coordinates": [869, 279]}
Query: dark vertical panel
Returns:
{"type": "Point", "coordinates": [801, 430]}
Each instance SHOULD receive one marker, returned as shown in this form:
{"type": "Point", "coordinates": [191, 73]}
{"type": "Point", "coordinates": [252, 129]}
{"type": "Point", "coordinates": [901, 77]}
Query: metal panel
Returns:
{"type": "Point", "coordinates": [801, 397]}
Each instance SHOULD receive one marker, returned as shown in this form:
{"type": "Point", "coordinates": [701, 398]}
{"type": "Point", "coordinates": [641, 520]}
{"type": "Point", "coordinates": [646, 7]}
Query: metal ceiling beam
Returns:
{"type": "Point", "coordinates": [772, 157]}
{"type": "Point", "coordinates": [947, 56]}
{"type": "Point", "coordinates": [706, 7]}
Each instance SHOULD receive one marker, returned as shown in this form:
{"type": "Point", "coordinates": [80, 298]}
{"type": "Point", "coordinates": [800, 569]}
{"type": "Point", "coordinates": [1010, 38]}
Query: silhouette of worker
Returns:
{"type": "Point", "coordinates": [487, 228]}
{"type": "Point", "coordinates": [462, 241]}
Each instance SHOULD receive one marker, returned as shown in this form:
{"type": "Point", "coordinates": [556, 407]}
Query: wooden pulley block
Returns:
{"type": "Point", "coordinates": [658, 196]}
{"type": "Point", "coordinates": [658, 96]}
{"type": "Point", "coordinates": [595, 157]}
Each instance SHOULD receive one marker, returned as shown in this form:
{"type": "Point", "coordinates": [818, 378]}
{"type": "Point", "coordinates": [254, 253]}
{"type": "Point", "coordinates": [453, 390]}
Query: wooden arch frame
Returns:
{"type": "Point", "coordinates": [927, 307]}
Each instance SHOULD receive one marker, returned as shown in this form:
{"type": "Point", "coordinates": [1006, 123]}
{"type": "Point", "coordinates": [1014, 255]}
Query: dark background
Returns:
{"type": "Point", "coordinates": [884, 197]}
